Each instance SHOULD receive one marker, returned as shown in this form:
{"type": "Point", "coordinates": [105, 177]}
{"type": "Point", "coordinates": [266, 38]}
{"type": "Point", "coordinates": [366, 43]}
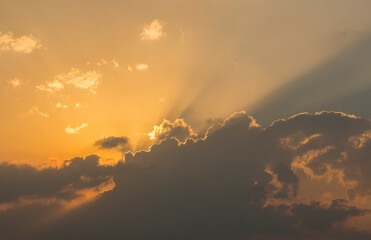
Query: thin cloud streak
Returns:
{"type": "Point", "coordinates": [75, 130]}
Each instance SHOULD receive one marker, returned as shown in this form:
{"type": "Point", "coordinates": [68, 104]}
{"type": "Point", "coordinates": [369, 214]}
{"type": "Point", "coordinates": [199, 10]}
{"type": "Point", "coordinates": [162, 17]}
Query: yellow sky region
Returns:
{"type": "Point", "coordinates": [73, 72]}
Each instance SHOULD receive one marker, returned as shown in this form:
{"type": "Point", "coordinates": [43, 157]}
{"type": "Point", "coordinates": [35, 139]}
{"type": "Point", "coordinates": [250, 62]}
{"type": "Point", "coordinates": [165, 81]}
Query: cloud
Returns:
{"type": "Point", "coordinates": [153, 31]}
{"type": "Point", "coordinates": [15, 82]}
{"type": "Point", "coordinates": [121, 143]}
{"type": "Point", "coordinates": [60, 105]}
{"type": "Point", "coordinates": [35, 111]}
{"type": "Point", "coordinates": [241, 181]}
{"type": "Point", "coordinates": [141, 67]}
{"type": "Point", "coordinates": [51, 86]}
{"type": "Point", "coordinates": [83, 80]}
{"type": "Point", "coordinates": [177, 129]}
{"type": "Point", "coordinates": [28, 182]}
{"type": "Point", "coordinates": [102, 62]}
{"type": "Point", "coordinates": [71, 130]}
{"type": "Point", "coordinates": [115, 63]}
{"type": "Point", "coordinates": [23, 44]}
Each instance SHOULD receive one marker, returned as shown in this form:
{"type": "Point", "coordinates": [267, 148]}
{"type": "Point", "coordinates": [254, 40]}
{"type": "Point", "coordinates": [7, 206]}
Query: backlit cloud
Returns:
{"type": "Point", "coordinates": [241, 181]}
{"type": "Point", "coordinates": [23, 44]}
{"type": "Point", "coordinates": [72, 130]}
{"type": "Point", "coordinates": [153, 31]}
{"type": "Point", "coordinates": [177, 129]}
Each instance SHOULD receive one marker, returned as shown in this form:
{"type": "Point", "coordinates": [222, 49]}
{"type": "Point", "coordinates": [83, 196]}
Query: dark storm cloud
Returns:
{"type": "Point", "coordinates": [113, 142]}
{"type": "Point", "coordinates": [25, 181]}
{"type": "Point", "coordinates": [237, 183]}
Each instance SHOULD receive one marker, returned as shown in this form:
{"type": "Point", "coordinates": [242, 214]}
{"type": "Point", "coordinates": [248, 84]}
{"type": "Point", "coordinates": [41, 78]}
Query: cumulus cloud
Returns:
{"type": "Point", "coordinates": [241, 181]}
{"type": "Point", "coordinates": [23, 44]}
{"type": "Point", "coordinates": [72, 130]}
{"type": "Point", "coordinates": [177, 129]}
{"type": "Point", "coordinates": [122, 143]}
{"type": "Point", "coordinates": [36, 111]}
{"type": "Point", "coordinates": [153, 31]}
{"type": "Point", "coordinates": [30, 183]}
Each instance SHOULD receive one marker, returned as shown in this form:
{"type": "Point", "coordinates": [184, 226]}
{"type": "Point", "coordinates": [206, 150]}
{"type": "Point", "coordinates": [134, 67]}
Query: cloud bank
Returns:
{"type": "Point", "coordinates": [241, 181]}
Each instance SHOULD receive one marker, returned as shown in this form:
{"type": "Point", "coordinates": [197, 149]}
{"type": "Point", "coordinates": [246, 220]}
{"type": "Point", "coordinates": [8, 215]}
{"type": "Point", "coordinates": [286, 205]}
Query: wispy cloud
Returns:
{"type": "Point", "coordinates": [15, 82]}
{"type": "Point", "coordinates": [84, 80]}
{"type": "Point", "coordinates": [35, 111]}
{"type": "Point", "coordinates": [51, 86]}
{"type": "Point", "coordinates": [153, 31]}
{"type": "Point", "coordinates": [102, 62]}
{"type": "Point", "coordinates": [72, 130]}
{"type": "Point", "coordinates": [23, 44]}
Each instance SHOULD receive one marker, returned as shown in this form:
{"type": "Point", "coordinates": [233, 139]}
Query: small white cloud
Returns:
{"type": "Point", "coordinates": [15, 82]}
{"type": "Point", "coordinates": [35, 111]}
{"type": "Point", "coordinates": [60, 105]}
{"type": "Point", "coordinates": [77, 105]}
{"type": "Point", "coordinates": [130, 69]}
{"type": "Point", "coordinates": [84, 80]}
{"type": "Point", "coordinates": [23, 44]}
{"type": "Point", "coordinates": [141, 67]}
{"type": "Point", "coordinates": [102, 62]}
{"type": "Point", "coordinates": [51, 86]}
{"type": "Point", "coordinates": [115, 63]}
{"type": "Point", "coordinates": [153, 31]}
{"type": "Point", "coordinates": [71, 130]}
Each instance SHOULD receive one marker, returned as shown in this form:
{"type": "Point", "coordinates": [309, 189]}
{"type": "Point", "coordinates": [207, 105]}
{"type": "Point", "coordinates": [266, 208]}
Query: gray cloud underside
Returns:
{"type": "Point", "coordinates": [112, 142]}
{"type": "Point", "coordinates": [217, 188]}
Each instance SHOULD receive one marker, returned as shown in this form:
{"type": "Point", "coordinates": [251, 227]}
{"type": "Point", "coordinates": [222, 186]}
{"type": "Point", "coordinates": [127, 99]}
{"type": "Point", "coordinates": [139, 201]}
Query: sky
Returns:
{"type": "Point", "coordinates": [181, 119]}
